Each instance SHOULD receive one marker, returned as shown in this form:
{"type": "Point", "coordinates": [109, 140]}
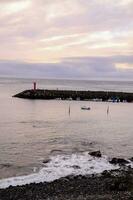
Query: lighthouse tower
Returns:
{"type": "Point", "coordinates": [34, 86]}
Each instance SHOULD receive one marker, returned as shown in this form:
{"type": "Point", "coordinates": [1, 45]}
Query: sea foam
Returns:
{"type": "Point", "coordinates": [61, 166]}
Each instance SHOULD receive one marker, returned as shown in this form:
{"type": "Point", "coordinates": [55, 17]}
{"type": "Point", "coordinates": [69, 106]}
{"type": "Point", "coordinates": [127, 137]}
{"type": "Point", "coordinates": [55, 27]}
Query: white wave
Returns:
{"type": "Point", "coordinates": [61, 166]}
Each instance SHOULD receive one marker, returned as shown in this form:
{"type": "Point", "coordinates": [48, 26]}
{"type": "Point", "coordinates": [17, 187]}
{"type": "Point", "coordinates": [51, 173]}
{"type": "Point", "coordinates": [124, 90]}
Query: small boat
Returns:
{"type": "Point", "coordinates": [85, 108]}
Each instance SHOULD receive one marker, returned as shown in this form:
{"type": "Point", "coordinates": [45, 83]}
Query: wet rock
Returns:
{"type": "Point", "coordinates": [76, 167]}
{"type": "Point", "coordinates": [104, 187]}
{"type": "Point", "coordinates": [119, 161]}
{"type": "Point", "coordinates": [7, 165]}
{"type": "Point", "coordinates": [56, 151]}
{"type": "Point", "coordinates": [46, 161]}
{"type": "Point", "coordinates": [131, 159]}
{"type": "Point", "coordinates": [96, 154]}
{"type": "Point", "coordinates": [106, 173]}
{"type": "Point", "coordinates": [118, 185]}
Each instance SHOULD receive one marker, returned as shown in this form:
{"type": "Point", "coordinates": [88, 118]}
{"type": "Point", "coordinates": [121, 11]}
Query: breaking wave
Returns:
{"type": "Point", "coordinates": [61, 166]}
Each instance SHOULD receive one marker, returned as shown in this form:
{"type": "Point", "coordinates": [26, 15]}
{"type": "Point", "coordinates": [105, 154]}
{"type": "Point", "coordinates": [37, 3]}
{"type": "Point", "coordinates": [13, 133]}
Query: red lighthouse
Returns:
{"type": "Point", "coordinates": [34, 86]}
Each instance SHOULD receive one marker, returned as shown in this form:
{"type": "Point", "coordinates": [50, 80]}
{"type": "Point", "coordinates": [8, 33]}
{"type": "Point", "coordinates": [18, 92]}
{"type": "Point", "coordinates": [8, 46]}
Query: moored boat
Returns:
{"type": "Point", "coordinates": [85, 108]}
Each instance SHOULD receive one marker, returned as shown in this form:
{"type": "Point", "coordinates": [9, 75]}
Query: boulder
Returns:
{"type": "Point", "coordinates": [96, 154]}
{"type": "Point", "coordinates": [46, 161]}
{"type": "Point", "coordinates": [76, 167]}
{"type": "Point", "coordinates": [131, 159]}
{"type": "Point", "coordinates": [119, 161]}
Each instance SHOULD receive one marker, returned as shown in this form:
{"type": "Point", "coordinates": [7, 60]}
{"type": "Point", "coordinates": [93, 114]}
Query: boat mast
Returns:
{"type": "Point", "coordinates": [108, 110]}
{"type": "Point", "coordinates": [69, 111]}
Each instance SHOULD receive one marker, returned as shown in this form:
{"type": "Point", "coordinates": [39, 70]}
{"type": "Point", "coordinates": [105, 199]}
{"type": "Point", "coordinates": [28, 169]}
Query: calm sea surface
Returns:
{"type": "Point", "coordinates": [34, 130]}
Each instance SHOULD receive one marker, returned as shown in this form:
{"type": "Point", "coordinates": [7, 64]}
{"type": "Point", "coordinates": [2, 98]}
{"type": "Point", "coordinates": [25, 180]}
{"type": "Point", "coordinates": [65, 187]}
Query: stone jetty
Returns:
{"type": "Point", "coordinates": [76, 95]}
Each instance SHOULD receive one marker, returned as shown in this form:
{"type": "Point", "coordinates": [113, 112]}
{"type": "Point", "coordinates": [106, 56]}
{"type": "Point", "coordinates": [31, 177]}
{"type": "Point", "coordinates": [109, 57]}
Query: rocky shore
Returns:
{"type": "Point", "coordinates": [115, 184]}
{"type": "Point", "coordinates": [110, 185]}
{"type": "Point", "coordinates": [76, 95]}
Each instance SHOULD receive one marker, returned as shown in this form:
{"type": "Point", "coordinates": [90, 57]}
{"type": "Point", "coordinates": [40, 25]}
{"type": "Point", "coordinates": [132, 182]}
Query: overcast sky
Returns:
{"type": "Point", "coordinates": [66, 38]}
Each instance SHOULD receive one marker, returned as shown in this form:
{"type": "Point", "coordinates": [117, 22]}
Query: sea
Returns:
{"type": "Point", "coordinates": [43, 140]}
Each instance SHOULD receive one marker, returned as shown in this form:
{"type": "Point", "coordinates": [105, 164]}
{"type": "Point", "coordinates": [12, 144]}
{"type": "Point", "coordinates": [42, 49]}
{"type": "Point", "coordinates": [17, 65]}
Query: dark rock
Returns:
{"type": "Point", "coordinates": [120, 161]}
{"type": "Point", "coordinates": [96, 154]}
{"type": "Point", "coordinates": [118, 186]}
{"type": "Point", "coordinates": [131, 159]}
{"type": "Point", "coordinates": [76, 167]}
{"type": "Point", "coordinates": [106, 173]}
{"type": "Point", "coordinates": [6, 165]}
{"type": "Point", "coordinates": [46, 161]}
{"type": "Point", "coordinates": [56, 151]}
{"type": "Point", "coordinates": [104, 187]}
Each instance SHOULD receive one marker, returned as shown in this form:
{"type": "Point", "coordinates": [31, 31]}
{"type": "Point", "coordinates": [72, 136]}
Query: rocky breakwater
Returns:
{"type": "Point", "coordinates": [76, 95]}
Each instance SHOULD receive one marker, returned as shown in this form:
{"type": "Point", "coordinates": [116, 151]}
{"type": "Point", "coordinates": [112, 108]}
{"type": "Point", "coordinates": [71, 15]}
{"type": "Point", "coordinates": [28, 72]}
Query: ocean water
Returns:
{"type": "Point", "coordinates": [35, 131]}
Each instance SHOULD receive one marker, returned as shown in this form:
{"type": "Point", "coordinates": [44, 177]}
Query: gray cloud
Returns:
{"type": "Point", "coordinates": [82, 68]}
{"type": "Point", "coordinates": [22, 33]}
{"type": "Point", "coordinates": [99, 16]}
{"type": "Point", "coordinates": [96, 16]}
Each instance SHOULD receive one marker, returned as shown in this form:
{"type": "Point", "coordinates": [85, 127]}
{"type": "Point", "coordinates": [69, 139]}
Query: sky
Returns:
{"type": "Point", "coordinates": [78, 39]}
